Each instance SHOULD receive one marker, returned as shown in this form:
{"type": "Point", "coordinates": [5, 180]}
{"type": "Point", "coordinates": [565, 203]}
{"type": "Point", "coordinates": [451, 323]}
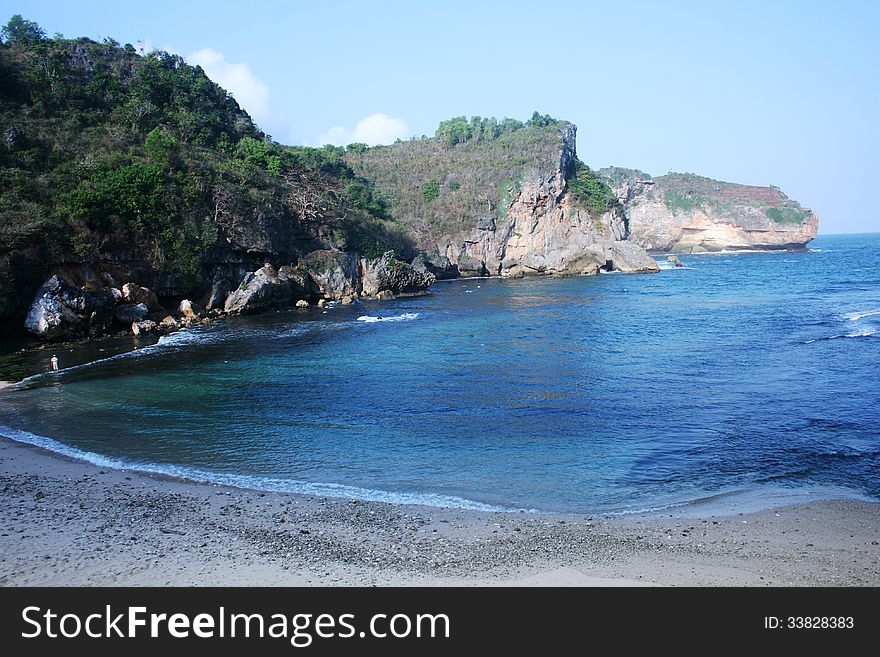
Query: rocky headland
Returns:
{"type": "Point", "coordinates": [686, 213]}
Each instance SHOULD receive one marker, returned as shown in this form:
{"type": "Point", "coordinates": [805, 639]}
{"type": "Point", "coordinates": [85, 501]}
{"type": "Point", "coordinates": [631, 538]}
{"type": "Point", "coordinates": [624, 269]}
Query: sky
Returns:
{"type": "Point", "coordinates": [764, 92]}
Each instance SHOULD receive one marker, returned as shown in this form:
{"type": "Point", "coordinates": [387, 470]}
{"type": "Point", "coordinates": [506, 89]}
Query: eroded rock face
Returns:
{"type": "Point", "coordinates": [61, 311]}
{"type": "Point", "coordinates": [685, 213]}
{"type": "Point", "coordinates": [270, 288]}
{"type": "Point", "coordinates": [394, 276]}
{"type": "Point", "coordinates": [134, 293]}
{"type": "Point", "coordinates": [335, 272]}
{"type": "Point", "coordinates": [261, 289]}
{"type": "Point", "coordinates": [541, 231]}
{"type": "Point", "coordinates": [630, 258]}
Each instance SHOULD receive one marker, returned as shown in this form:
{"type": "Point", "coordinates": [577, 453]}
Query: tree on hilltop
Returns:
{"type": "Point", "coordinates": [22, 31]}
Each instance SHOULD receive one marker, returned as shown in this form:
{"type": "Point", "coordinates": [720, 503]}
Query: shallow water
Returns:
{"type": "Point", "coordinates": [748, 376]}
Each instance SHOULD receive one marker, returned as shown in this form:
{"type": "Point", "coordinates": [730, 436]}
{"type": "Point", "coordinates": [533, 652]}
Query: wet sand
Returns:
{"type": "Point", "coordinates": [64, 522]}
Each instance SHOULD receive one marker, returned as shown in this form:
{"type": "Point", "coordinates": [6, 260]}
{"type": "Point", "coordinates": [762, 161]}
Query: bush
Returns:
{"type": "Point", "coordinates": [589, 191]}
{"type": "Point", "coordinates": [431, 190]}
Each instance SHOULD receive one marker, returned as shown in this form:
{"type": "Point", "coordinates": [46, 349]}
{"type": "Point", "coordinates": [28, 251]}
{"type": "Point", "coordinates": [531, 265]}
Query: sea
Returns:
{"type": "Point", "coordinates": [741, 381]}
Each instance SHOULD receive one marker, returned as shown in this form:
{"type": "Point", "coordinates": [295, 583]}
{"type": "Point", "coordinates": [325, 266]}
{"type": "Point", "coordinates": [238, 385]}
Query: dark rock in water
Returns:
{"type": "Point", "coordinates": [61, 311]}
{"type": "Point", "coordinates": [438, 264]}
{"type": "Point", "coordinates": [134, 293]}
{"type": "Point", "coordinates": [128, 313]}
{"type": "Point", "coordinates": [675, 260]}
{"type": "Point", "coordinates": [335, 272]}
{"type": "Point", "coordinates": [470, 266]}
{"type": "Point", "coordinates": [270, 288]}
{"type": "Point", "coordinates": [387, 274]}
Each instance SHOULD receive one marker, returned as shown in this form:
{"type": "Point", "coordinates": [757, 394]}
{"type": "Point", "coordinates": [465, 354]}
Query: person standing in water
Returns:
{"type": "Point", "coordinates": [54, 362]}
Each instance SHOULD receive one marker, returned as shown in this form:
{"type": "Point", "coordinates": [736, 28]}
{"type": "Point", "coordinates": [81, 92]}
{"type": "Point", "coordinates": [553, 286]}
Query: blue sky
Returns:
{"type": "Point", "coordinates": [784, 93]}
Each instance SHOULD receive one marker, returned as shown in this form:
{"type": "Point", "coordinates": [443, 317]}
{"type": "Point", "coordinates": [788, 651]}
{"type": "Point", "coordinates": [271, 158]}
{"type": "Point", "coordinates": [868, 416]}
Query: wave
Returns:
{"type": "Point", "coordinates": [255, 482]}
{"type": "Point", "coordinates": [369, 319]}
{"type": "Point", "coordinates": [860, 314]}
{"type": "Point", "coordinates": [864, 333]}
{"type": "Point", "coordinates": [173, 341]}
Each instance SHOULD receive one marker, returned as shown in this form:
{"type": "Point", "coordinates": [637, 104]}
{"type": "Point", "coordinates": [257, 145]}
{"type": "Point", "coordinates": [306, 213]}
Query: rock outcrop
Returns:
{"type": "Point", "coordinates": [61, 311]}
{"type": "Point", "coordinates": [335, 272]}
{"type": "Point", "coordinates": [392, 275]}
{"type": "Point", "coordinates": [519, 217]}
{"type": "Point", "coordinates": [686, 213]}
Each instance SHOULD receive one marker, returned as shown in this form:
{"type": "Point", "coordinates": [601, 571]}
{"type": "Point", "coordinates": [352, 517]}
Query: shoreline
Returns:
{"type": "Point", "coordinates": [69, 522]}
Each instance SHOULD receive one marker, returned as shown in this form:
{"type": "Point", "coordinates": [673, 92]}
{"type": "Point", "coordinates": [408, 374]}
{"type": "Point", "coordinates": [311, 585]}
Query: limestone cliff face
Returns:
{"type": "Point", "coordinates": [540, 230]}
{"type": "Point", "coordinates": [684, 213]}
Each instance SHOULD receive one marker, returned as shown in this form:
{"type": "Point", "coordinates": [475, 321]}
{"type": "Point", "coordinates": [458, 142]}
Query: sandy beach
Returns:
{"type": "Point", "coordinates": [71, 523]}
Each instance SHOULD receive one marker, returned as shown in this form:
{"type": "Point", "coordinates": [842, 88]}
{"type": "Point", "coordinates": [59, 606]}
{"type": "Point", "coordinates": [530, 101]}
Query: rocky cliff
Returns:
{"type": "Point", "coordinates": [685, 213]}
{"type": "Point", "coordinates": [120, 169]}
{"type": "Point", "coordinates": [502, 206]}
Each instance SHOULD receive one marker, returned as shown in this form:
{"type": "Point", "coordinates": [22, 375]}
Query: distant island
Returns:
{"type": "Point", "coordinates": [138, 196]}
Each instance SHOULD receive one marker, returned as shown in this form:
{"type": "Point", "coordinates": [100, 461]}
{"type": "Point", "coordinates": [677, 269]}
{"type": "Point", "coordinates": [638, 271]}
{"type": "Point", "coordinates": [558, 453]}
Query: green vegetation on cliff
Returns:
{"type": "Point", "coordinates": [688, 191]}
{"type": "Point", "coordinates": [472, 170]}
{"type": "Point", "coordinates": [110, 156]}
{"type": "Point", "coordinates": [589, 191]}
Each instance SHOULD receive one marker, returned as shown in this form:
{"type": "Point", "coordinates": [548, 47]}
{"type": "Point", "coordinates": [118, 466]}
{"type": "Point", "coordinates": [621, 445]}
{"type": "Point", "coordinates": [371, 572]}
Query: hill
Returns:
{"type": "Point", "coordinates": [685, 212]}
{"type": "Point", "coordinates": [143, 168]}
{"type": "Point", "coordinates": [489, 197]}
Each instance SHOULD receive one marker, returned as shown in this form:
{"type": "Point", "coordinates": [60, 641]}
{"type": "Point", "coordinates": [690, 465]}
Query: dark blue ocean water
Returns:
{"type": "Point", "coordinates": [750, 376]}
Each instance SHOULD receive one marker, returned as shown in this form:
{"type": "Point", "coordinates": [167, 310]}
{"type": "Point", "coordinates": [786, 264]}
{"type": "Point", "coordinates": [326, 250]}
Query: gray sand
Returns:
{"type": "Point", "coordinates": [64, 522]}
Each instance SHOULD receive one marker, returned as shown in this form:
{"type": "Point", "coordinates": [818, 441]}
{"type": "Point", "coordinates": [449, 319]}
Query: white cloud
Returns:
{"type": "Point", "coordinates": [372, 130]}
{"type": "Point", "coordinates": [250, 92]}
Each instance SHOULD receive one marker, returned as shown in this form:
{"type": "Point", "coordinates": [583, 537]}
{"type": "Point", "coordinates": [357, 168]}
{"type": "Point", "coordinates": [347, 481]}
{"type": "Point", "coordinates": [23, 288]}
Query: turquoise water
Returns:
{"type": "Point", "coordinates": [751, 376]}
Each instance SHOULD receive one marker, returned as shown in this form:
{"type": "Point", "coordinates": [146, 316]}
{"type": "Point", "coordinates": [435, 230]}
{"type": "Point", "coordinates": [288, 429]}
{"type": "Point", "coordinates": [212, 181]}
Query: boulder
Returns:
{"type": "Point", "coordinates": [302, 303]}
{"type": "Point", "coordinates": [259, 290]}
{"type": "Point", "coordinates": [387, 274]}
{"type": "Point", "coordinates": [385, 294]}
{"type": "Point", "coordinates": [169, 324]}
{"type": "Point", "coordinates": [144, 327]}
{"type": "Point", "coordinates": [134, 293]}
{"type": "Point", "coordinates": [335, 272]}
{"type": "Point", "coordinates": [61, 311]}
{"type": "Point", "coordinates": [630, 258]}
{"type": "Point", "coordinates": [186, 310]}
{"type": "Point", "coordinates": [128, 313]}
{"type": "Point", "coordinates": [675, 260]}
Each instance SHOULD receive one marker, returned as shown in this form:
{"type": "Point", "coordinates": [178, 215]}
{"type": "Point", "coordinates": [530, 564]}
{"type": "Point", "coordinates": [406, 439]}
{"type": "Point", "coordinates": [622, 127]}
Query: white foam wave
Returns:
{"type": "Point", "coordinates": [252, 482]}
{"type": "Point", "coordinates": [178, 339]}
{"type": "Point", "coordinates": [864, 333]}
{"type": "Point", "coordinates": [668, 266]}
{"type": "Point", "coordinates": [738, 251]}
{"type": "Point", "coordinates": [859, 315]}
{"type": "Point", "coordinates": [369, 319]}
